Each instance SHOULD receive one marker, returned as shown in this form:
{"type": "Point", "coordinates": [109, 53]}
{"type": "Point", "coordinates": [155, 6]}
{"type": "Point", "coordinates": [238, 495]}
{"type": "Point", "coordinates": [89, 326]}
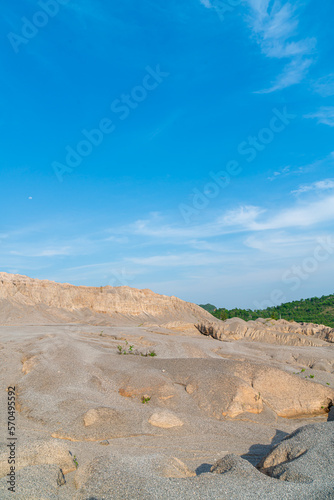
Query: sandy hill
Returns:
{"type": "Point", "coordinates": [25, 300]}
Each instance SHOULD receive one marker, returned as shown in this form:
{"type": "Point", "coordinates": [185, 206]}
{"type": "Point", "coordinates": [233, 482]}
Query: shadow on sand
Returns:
{"type": "Point", "coordinates": [255, 453]}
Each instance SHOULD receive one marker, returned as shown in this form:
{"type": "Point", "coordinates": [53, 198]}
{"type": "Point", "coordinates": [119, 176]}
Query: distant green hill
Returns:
{"type": "Point", "coordinates": [209, 307]}
{"type": "Point", "coordinates": [315, 310]}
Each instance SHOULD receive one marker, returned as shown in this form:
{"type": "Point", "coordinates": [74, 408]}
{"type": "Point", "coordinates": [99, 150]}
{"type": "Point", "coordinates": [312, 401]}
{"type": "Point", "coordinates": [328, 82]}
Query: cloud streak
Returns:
{"type": "Point", "coordinates": [242, 219]}
{"type": "Point", "coordinates": [325, 115]}
{"type": "Point", "coordinates": [325, 86]}
{"type": "Point", "coordinates": [315, 186]}
{"type": "Point", "coordinates": [275, 28]}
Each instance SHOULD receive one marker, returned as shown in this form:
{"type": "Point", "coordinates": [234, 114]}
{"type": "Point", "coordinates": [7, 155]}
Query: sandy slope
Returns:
{"type": "Point", "coordinates": [204, 399]}
{"type": "Point", "coordinates": [24, 300]}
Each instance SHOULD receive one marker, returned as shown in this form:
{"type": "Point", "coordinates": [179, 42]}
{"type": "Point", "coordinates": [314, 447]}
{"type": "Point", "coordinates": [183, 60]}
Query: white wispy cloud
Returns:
{"type": "Point", "coordinates": [321, 163]}
{"type": "Point", "coordinates": [324, 115]}
{"type": "Point", "coordinates": [242, 216]}
{"type": "Point", "coordinates": [325, 85]}
{"type": "Point", "coordinates": [275, 27]}
{"type": "Point", "coordinates": [238, 229]}
{"type": "Point", "coordinates": [239, 220]}
{"type": "Point", "coordinates": [301, 216]}
{"type": "Point", "coordinates": [283, 172]}
{"type": "Point", "coordinates": [315, 186]}
{"type": "Point", "coordinates": [186, 259]}
{"type": "Point", "coordinates": [293, 73]}
{"type": "Point", "coordinates": [47, 252]}
{"type": "Point", "coordinates": [32, 242]}
{"type": "Point", "coordinates": [280, 243]}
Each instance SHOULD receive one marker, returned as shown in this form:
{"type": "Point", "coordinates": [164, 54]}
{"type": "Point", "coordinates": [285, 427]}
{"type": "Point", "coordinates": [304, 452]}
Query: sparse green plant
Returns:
{"type": "Point", "coordinates": [130, 349]}
{"type": "Point", "coordinates": [327, 383]}
{"type": "Point", "coordinates": [311, 376]}
{"type": "Point", "coordinates": [75, 460]}
{"type": "Point", "coordinates": [145, 400]}
{"type": "Point", "coordinates": [124, 351]}
{"type": "Point", "coordinates": [301, 371]}
{"type": "Point", "coordinates": [149, 353]}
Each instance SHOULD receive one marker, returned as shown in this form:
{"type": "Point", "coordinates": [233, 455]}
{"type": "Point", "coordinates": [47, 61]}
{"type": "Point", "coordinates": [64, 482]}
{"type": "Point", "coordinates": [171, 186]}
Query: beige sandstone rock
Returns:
{"type": "Point", "coordinates": [228, 388]}
{"type": "Point", "coordinates": [223, 394]}
{"type": "Point", "coordinates": [100, 416]}
{"type": "Point", "coordinates": [165, 420]}
{"type": "Point", "coordinates": [290, 396]}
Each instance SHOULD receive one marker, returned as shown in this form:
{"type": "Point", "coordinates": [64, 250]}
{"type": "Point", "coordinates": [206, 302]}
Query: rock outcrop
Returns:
{"type": "Point", "coordinates": [304, 456]}
{"type": "Point", "coordinates": [269, 331]}
{"type": "Point", "coordinates": [225, 388]}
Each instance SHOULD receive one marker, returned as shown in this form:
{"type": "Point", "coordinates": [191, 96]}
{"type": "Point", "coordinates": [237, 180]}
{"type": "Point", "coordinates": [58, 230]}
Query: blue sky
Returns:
{"type": "Point", "coordinates": [181, 146]}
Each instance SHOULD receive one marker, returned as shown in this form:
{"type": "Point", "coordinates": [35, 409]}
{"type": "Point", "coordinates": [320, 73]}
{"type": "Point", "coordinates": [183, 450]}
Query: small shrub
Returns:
{"type": "Point", "coordinates": [129, 349]}
{"type": "Point", "coordinates": [145, 400]}
{"type": "Point", "coordinates": [149, 353]}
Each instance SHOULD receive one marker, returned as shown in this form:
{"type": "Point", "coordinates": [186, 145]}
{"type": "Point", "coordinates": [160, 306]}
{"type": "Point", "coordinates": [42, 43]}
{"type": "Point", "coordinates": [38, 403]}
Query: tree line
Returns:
{"type": "Point", "coordinates": [318, 310]}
